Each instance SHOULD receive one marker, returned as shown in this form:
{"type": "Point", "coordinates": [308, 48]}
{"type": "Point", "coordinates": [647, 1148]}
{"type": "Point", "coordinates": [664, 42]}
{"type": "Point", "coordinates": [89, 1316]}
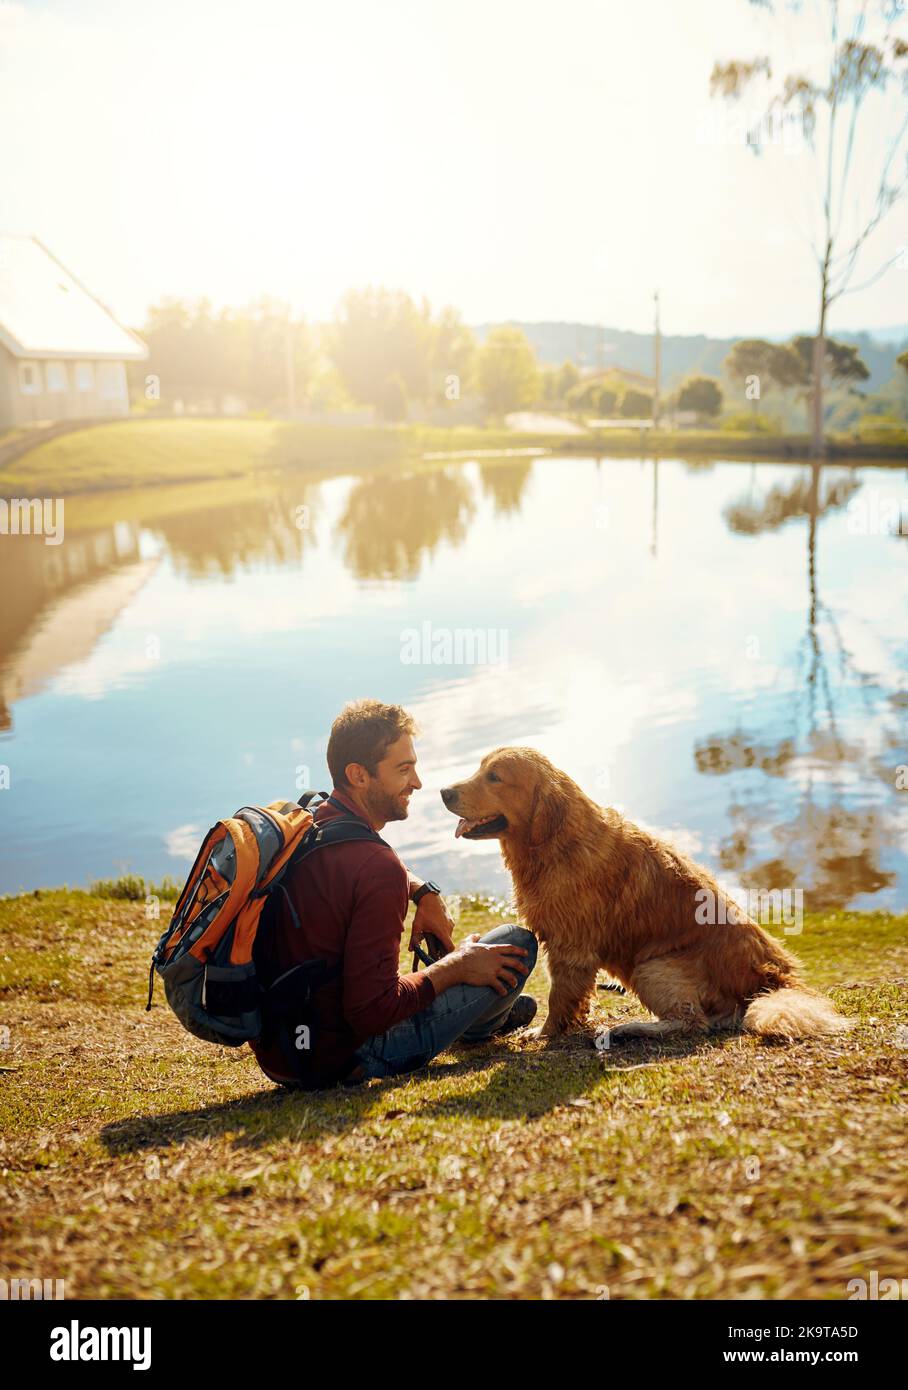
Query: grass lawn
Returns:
{"type": "Point", "coordinates": [139, 1162]}
{"type": "Point", "coordinates": [151, 453]}
{"type": "Point", "coordinates": [129, 453]}
{"type": "Point", "coordinates": [140, 453]}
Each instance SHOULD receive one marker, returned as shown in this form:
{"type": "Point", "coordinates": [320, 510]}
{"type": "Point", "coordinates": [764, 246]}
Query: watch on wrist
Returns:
{"type": "Point", "coordinates": [428, 887]}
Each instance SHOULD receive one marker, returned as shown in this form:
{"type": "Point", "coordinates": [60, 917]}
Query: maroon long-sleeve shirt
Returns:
{"type": "Point", "coordinates": [351, 900]}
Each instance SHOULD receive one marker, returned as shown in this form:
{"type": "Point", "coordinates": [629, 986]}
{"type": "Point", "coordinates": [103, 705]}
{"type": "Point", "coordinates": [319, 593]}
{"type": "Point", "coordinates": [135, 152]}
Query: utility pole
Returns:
{"type": "Point", "coordinates": [291, 370]}
{"type": "Point", "coordinates": [657, 362]}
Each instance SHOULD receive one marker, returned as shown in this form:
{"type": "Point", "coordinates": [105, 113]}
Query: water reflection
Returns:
{"type": "Point", "coordinates": [803, 496]}
{"type": "Point", "coordinates": [622, 639]}
{"type": "Point", "coordinates": [830, 847]}
{"type": "Point", "coordinates": [505, 484]}
{"type": "Point", "coordinates": [392, 522]}
{"type": "Point", "coordinates": [271, 527]}
{"type": "Point", "coordinates": [58, 601]}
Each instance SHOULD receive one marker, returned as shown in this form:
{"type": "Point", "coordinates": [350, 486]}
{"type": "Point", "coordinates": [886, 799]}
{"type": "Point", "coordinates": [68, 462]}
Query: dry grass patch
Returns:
{"type": "Point", "coordinates": [138, 1162]}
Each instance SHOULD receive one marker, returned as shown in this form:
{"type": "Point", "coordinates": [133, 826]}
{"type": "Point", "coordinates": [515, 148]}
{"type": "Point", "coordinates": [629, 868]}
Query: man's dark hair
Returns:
{"type": "Point", "coordinates": [362, 733]}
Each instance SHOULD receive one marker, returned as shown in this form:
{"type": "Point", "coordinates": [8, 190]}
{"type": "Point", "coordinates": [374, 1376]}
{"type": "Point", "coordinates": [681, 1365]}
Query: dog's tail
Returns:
{"type": "Point", "coordinates": [793, 1013]}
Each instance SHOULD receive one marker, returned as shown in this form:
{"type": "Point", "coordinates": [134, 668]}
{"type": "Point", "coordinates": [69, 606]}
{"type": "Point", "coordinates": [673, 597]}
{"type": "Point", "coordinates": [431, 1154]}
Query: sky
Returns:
{"type": "Point", "coordinates": [529, 161]}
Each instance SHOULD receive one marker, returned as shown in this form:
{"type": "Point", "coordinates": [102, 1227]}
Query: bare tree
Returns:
{"type": "Point", "coordinates": [827, 106]}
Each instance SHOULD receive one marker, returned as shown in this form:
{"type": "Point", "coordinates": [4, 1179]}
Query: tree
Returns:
{"type": "Point", "coordinates": [558, 383]}
{"type": "Point", "coordinates": [702, 394]}
{"type": "Point", "coordinates": [392, 402]}
{"type": "Point", "coordinates": [852, 69]}
{"type": "Point", "coordinates": [508, 374]}
{"type": "Point", "coordinates": [548, 385]}
{"type": "Point", "coordinates": [596, 396]}
{"type": "Point", "coordinates": [379, 334]}
{"type": "Point", "coordinates": [606, 401]}
{"type": "Point", "coordinates": [636, 404]}
{"type": "Point", "coordinates": [259, 353]}
{"type": "Point", "coordinates": [185, 351]}
{"type": "Point", "coordinates": [270, 356]}
{"type": "Point", "coordinates": [584, 395]}
{"type": "Point", "coordinates": [842, 361]}
{"type": "Point", "coordinates": [754, 357]}
{"type": "Point", "coordinates": [790, 365]}
{"type": "Point", "coordinates": [453, 357]}
{"type": "Point", "coordinates": [568, 377]}
{"type": "Point", "coordinates": [902, 360]}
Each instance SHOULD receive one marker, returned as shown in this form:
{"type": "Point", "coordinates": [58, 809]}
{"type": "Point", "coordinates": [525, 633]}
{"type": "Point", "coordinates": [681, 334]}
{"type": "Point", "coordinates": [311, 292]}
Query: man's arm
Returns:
{"type": "Point", "coordinates": [376, 995]}
{"type": "Point", "coordinates": [432, 916]}
{"type": "Point", "coordinates": [477, 962]}
{"type": "Point", "coordinates": [413, 882]}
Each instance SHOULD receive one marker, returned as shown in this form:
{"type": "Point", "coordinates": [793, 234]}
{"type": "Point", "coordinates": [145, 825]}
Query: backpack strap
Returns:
{"type": "Point", "coordinates": [340, 830]}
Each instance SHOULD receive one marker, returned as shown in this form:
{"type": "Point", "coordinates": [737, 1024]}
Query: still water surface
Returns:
{"type": "Point", "coordinates": [718, 649]}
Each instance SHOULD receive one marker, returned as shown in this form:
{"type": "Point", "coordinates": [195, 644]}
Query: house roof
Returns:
{"type": "Point", "coordinates": [46, 312]}
{"type": "Point", "coordinates": [603, 373]}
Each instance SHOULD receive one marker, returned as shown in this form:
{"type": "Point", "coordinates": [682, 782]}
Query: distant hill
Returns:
{"type": "Point", "coordinates": [591, 347]}
{"type": "Point", "coordinates": [898, 335]}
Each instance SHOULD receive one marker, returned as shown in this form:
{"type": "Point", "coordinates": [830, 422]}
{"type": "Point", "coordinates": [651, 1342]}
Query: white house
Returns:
{"type": "Point", "coordinates": [63, 355]}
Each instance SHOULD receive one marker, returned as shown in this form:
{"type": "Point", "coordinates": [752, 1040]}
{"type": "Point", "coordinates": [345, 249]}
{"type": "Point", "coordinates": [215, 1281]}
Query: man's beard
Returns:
{"type": "Point", "coordinates": [384, 807]}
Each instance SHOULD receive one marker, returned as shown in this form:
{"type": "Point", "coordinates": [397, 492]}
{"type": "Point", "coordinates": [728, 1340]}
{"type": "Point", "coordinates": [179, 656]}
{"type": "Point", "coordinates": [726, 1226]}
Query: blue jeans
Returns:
{"type": "Point", "coordinates": [469, 1012]}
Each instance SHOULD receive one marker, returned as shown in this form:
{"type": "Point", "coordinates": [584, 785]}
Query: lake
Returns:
{"type": "Point", "coordinates": [719, 649]}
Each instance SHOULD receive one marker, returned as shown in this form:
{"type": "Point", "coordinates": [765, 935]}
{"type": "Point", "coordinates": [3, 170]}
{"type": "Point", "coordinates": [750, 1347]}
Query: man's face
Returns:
{"type": "Point", "coordinates": [387, 794]}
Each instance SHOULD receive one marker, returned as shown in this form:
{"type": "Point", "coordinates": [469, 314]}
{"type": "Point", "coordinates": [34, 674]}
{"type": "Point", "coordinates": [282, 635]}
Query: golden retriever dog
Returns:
{"type": "Point", "coordinates": [603, 894]}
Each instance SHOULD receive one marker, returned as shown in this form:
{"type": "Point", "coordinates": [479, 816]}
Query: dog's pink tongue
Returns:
{"type": "Point", "coordinates": [461, 827]}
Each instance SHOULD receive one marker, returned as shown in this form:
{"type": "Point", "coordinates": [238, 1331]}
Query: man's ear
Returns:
{"type": "Point", "coordinates": [356, 775]}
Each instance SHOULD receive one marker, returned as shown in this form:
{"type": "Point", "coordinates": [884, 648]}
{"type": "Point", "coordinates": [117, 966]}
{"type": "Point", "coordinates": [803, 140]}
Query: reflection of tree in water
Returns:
{"type": "Point", "coordinates": [390, 523]}
{"type": "Point", "coordinates": [784, 502]}
{"type": "Point", "coordinates": [830, 850]}
{"type": "Point", "coordinates": [720, 755]}
{"type": "Point", "coordinates": [260, 529]}
{"type": "Point", "coordinates": [505, 484]}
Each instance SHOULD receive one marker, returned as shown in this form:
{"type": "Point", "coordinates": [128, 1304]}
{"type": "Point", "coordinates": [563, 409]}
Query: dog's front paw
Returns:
{"type": "Point", "coordinates": [541, 1033]}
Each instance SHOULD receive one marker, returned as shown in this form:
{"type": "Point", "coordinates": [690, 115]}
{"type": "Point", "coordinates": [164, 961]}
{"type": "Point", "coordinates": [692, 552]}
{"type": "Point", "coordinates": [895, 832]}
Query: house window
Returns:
{"type": "Point", "coordinates": [85, 376]}
{"type": "Point", "coordinates": [56, 376]}
{"type": "Point", "coordinates": [112, 380]}
{"type": "Point", "coordinates": [29, 378]}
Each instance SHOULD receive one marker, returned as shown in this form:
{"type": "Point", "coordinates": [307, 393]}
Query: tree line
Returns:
{"type": "Point", "coordinates": [385, 351]}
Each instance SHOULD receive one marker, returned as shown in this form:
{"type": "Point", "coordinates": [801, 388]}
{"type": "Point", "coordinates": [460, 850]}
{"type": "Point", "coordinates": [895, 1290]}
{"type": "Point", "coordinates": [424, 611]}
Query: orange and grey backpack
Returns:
{"type": "Point", "coordinates": [206, 955]}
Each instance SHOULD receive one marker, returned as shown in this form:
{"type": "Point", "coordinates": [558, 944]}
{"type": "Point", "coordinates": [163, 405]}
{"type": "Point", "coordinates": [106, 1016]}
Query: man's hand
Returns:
{"type": "Point", "coordinates": [432, 916]}
{"type": "Point", "coordinates": [478, 962]}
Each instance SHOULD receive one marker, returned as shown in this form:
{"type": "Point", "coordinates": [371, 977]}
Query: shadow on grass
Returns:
{"type": "Point", "coordinates": [533, 1083]}
{"type": "Point", "coordinates": [544, 1080]}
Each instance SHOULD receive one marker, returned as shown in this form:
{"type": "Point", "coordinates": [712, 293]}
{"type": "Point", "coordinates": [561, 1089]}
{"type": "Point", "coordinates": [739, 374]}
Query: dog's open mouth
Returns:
{"type": "Point", "coordinates": [481, 829]}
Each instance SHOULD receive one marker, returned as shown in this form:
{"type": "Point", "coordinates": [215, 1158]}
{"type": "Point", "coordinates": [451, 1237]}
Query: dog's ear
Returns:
{"type": "Point", "coordinates": [547, 816]}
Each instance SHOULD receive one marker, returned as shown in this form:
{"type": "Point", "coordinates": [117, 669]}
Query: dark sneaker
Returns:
{"type": "Point", "coordinates": [523, 1011]}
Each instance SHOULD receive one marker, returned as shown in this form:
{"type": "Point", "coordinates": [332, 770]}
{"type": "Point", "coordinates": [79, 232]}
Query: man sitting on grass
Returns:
{"type": "Point", "coordinates": [351, 901]}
